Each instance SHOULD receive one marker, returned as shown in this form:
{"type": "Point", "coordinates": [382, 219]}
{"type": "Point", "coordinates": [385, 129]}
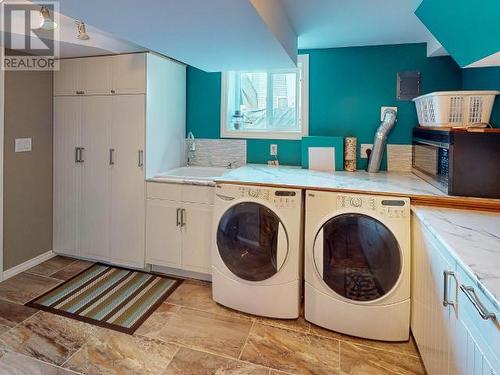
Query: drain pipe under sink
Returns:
{"type": "Point", "coordinates": [381, 139]}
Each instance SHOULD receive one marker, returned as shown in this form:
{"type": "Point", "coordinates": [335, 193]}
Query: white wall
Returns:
{"type": "Point", "coordinates": [166, 115]}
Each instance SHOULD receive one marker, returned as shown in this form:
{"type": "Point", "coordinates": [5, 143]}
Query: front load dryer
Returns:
{"type": "Point", "coordinates": [257, 250]}
{"type": "Point", "coordinates": [357, 264]}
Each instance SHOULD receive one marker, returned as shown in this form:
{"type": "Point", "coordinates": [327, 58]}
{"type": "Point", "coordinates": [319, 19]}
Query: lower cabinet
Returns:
{"type": "Point", "coordinates": [178, 226]}
{"type": "Point", "coordinates": [452, 336]}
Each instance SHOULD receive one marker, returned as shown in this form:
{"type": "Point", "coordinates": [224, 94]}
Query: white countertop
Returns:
{"type": "Point", "coordinates": [404, 184]}
{"type": "Point", "coordinates": [203, 176]}
{"type": "Point", "coordinates": [473, 239]}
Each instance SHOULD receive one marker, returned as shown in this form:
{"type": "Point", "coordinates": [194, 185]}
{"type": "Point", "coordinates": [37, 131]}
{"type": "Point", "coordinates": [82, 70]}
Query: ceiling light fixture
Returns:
{"type": "Point", "coordinates": [82, 30]}
{"type": "Point", "coordinates": [47, 22]}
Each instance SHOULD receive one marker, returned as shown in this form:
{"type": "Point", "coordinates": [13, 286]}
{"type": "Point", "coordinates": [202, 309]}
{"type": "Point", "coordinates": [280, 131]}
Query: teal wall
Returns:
{"type": "Point", "coordinates": [468, 30]}
{"type": "Point", "coordinates": [347, 87]}
{"type": "Point", "coordinates": [484, 79]}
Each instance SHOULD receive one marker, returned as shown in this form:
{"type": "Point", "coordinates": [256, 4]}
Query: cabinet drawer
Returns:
{"type": "Point", "coordinates": [485, 331]}
{"type": "Point", "coordinates": [198, 194]}
{"type": "Point", "coordinates": [160, 190]}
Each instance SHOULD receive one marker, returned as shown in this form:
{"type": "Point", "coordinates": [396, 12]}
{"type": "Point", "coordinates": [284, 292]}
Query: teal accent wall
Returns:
{"type": "Point", "coordinates": [484, 79]}
{"type": "Point", "coordinates": [203, 93]}
{"type": "Point", "coordinates": [468, 30]}
{"type": "Point", "coordinates": [347, 87]}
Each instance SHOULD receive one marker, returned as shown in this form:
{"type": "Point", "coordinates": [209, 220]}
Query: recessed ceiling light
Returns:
{"type": "Point", "coordinates": [82, 30]}
{"type": "Point", "coordinates": [47, 22]}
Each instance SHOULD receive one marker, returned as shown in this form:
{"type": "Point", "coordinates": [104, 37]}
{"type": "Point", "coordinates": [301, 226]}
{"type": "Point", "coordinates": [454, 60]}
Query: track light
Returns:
{"type": "Point", "coordinates": [47, 23]}
{"type": "Point", "coordinates": [82, 30]}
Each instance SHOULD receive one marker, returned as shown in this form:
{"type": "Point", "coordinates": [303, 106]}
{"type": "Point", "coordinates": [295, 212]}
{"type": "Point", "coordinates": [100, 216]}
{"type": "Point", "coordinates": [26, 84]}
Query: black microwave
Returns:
{"type": "Point", "coordinates": [458, 161]}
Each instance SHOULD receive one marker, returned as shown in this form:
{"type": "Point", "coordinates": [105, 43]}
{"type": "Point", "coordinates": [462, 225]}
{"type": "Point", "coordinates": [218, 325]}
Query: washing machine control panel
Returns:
{"type": "Point", "coordinates": [390, 208]}
{"type": "Point", "coordinates": [347, 201]}
{"type": "Point", "coordinates": [279, 198]}
{"type": "Point", "coordinates": [394, 208]}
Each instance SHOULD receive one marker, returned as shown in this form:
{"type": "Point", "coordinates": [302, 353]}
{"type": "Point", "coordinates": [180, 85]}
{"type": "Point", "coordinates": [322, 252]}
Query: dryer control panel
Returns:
{"type": "Point", "coordinates": [347, 201]}
{"type": "Point", "coordinates": [390, 208]}
{"type": "Point", "coordinates": [280, 198]}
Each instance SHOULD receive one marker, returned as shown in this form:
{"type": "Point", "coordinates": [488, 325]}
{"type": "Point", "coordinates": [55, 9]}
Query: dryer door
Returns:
{"type": "Point", "coordinates": [252, 241]}
{"type": "Point", "coordinates": [358, 257]}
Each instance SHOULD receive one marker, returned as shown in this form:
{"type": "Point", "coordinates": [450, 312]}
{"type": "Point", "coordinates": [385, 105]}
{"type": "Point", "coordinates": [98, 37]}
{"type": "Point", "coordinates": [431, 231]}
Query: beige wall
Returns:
{"type": "Point", "coordinates": [27, 175]}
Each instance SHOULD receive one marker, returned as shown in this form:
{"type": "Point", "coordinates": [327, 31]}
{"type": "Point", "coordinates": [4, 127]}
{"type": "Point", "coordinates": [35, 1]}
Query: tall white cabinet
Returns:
{"type": "Point", "coordinates": [104, 114]}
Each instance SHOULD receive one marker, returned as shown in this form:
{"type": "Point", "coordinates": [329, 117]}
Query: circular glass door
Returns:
{"type": "Point", "coordinates": [252, 241]}
{"type": "Point", "coordinates": [358, 257]}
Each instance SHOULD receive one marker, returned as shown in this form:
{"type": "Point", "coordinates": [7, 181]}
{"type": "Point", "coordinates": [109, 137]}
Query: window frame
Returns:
{"type": "Point", "coordinates": [304, 110]}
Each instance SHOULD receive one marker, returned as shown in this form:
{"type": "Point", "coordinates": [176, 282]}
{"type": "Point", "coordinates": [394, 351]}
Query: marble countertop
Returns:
{"type": "Point", "coordinates": [181, 180]}
{"type": "Point", "coordinates": [473, 239]}
{"type": "Point", "coordinates": [394, 183]}
{"type": "Point", "coordinates": [190, 175]}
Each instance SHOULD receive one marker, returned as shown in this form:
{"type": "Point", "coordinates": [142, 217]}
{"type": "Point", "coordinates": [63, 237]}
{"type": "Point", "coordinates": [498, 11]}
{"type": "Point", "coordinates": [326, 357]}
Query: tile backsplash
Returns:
{"type": "Point", "coordinates": [219, 152]}
{"type": "Point", "coordinates": [399, 158]}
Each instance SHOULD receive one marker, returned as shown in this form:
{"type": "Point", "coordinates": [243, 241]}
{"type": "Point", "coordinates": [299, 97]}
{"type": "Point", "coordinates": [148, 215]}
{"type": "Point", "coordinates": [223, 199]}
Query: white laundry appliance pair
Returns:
{"type": "Point", "coordinates": [356, 253]}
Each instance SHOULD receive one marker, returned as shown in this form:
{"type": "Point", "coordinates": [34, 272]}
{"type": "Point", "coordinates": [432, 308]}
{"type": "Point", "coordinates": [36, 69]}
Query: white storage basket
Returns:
{"type": "Point", "coordinates": [455, 108]}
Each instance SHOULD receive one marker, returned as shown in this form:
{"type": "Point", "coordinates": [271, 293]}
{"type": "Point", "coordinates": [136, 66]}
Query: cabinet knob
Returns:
{"type": "Point", "coordinates": [113, 92]}
{"type": "Point", "coordinates": [80, 92]}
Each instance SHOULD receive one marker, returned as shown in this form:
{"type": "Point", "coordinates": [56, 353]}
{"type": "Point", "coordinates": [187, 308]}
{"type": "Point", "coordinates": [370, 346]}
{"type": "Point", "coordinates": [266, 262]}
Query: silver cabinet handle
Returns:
{"type": "Point", "coordinates": [178, 217]}
{"type": "Point", "coordinates": [82, 160]}
{"type": "Point", "coordinates": [183, 217]}
{"type": "Point", "coordinates": [79, 154]}
{"type": "Point", "coordinates": [476, 302]}
{"type": "Point", "coordinates": [111, 156]}
{"type": "Point", "coordinates": [141, 159]}
{"type": "Point", "coordinates": [446, 301]}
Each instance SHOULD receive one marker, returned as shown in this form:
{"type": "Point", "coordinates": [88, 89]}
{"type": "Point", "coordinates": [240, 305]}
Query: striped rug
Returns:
{"type": "Point", "coordinates": [110, 297]}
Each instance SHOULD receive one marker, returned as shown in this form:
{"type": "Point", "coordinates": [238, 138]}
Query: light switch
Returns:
{"type": "Point", "coordinates": [23, 145]}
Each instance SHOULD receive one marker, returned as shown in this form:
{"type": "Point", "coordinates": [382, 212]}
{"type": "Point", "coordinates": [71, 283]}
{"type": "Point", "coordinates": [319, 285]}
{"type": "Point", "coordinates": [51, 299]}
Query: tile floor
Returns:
{"type": "Point", "coordinates": [188, 334]}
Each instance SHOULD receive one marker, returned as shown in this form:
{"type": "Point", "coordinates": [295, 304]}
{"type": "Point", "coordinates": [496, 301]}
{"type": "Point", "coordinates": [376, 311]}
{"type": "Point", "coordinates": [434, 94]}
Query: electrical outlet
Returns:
{"type": "Point", "coordinates": [364, 148]}
{"type": "Point", "coordinates": [274, 150]}
{"type": "Point", "coordinates": [382, 110]}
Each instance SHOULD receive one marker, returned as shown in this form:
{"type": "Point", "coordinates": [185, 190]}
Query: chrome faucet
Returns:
{"type": "Point", "coordinates": [231, 164]}
{"type": "Point", "coordinates": [191, 143]}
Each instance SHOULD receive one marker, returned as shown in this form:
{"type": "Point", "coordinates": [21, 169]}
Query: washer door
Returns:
{"type": "Point", "coordinates": [252, 241]}
{"type": "Point", "coordinates": [358, 257]}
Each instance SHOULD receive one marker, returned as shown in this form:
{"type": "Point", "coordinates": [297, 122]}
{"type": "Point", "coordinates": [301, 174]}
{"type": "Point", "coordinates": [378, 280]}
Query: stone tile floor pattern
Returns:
{"type": "Point", "coordinates": [188, 334]}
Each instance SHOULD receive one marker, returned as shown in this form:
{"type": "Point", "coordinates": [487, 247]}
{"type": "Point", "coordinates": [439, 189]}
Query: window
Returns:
{"type": "Point", "coordinates": [266, 104]}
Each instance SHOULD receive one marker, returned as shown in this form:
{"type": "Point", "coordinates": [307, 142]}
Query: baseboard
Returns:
{"type": "Point", "coordinates": [181, 273]}
{"type": "Point", "coordinates": [27, 265]}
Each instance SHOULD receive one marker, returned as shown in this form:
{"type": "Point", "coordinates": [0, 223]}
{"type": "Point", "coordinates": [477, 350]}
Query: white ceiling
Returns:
{"type": "Point", "coordinates": [218, 35]}
{"type": "Point", "coordinates": [100, 42]}
{"type": "Point", "coordinates": [213, 35]}
{"type": "Point", "coordinates": [346, 23]}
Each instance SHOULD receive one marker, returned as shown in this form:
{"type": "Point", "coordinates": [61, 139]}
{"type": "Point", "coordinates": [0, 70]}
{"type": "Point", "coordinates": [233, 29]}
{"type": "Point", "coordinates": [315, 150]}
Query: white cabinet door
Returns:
{"type": "Point", "coordinates": [129, 74]}
{"type": "Point", "coordinates": [96, 177]}
{"type": "Point", "coordinates": [431, 321]}
{"type": "Point", "coordinates": [163, 235]}
{"type": "Point", "coordinates": [66, 78]}
{"type": "Point", "coordinates": [196, 237]}
{"type": "Point", "coordinates": [465, 356]}
{"type": "Point", "coordinates": [94, 76]}
{"type": "Point", "coordinates": [127, 180]}
{"type": "Point", "coordinates": [67, 120]}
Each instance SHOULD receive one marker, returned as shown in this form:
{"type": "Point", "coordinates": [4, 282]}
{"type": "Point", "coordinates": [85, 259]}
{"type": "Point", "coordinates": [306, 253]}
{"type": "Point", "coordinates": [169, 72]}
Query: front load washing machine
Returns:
{"type": "Point", "coordinates": [257, 250]}
{"type": "Point", "coordinates": [357, 264]}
